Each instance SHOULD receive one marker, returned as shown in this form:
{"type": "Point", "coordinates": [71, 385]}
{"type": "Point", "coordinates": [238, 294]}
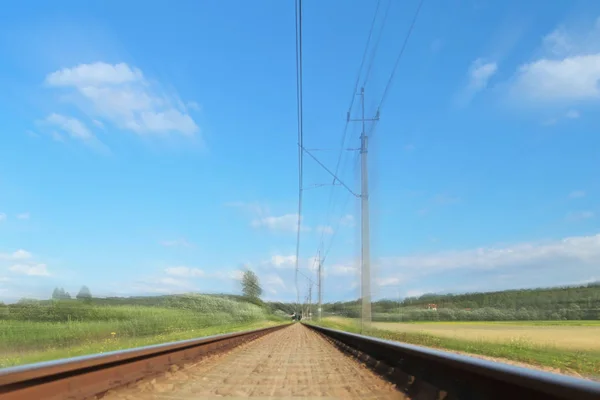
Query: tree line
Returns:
{"type": "Point", "coordinates": [558, 303]}
{"type": "Point", "coordinates": [61, 294]}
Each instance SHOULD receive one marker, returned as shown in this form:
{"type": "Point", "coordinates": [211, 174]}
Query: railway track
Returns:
{"type": "Point", "coordinates": [291, 360]}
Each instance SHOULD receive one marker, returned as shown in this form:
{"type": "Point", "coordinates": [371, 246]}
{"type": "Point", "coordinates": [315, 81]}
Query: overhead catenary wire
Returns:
{"type": "Point", "coordinates": [352, 99]}
{"type": "Point", "coordinates": [376, 46]}
{"type": "Point", "coordinates": [330, 201]}
{"type": "Point", "coordinates": [399, 57]}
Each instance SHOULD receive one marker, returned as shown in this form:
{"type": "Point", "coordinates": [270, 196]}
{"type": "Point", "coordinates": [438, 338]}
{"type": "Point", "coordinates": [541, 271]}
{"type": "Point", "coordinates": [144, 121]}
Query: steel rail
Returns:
{"type": "Point", "coordinates": [87, 376]}
{"type": "Point", "coordinates": [426, 373]}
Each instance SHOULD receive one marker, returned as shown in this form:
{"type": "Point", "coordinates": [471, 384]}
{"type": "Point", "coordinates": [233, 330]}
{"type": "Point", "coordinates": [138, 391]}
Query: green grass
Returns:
{"type": "Point", "coordinates": [118, 343]}
{"type": "Point", "coordinates": [519, 323]}
{"type": "Point", "coordinates": [586, 363]}
{"type": "Point", "coordinates": [58, 329]}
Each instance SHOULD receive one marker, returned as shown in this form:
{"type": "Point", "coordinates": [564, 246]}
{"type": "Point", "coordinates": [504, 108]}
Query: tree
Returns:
{"type": "Point", "coordinates": [60, 294]}
{"type": "Point", "coordinates": [84, 293]}
{"type": "Point", "coordinates": [251, 286]}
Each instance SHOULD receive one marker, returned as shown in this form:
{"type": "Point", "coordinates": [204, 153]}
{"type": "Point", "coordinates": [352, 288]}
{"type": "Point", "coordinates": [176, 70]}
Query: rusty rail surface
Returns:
{"type": "Point", "coordinates": [87, 376]}
{"type": "Point", "coordinates": [425, 373]}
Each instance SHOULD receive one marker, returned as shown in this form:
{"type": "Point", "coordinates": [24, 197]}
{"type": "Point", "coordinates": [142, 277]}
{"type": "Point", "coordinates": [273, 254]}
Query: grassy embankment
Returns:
{"type": "Point", "coordinates": [574, 350]}
{"type": "Point", "coordinates": [58, 329]}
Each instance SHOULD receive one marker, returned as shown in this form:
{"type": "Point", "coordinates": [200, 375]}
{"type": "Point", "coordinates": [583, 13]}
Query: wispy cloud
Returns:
{"type": "Point", "coordinates": [176, 243]}
{"type": "Point", "coordinates": [580, 248]}
{"type": "Point", "coordinates": [16, 255]}
{"type": "Point", "coordinates": [347, 221]}
{"type": "Point", "coordinates": [30, 269]}
{"type": "Point", "coordinates": [577, 194]}
{"type": "Point", "coordinates": [572, 114]}
{"type": "Point", "coordinates": [24, 215]}
{"type": "Point", "coordinates": [283, 261]}
{"type": "Point", "coordinates": [479, 74]}
{"type": "Point", "coordinates": [183, 271]}
{"type": "Point", "coordinates": [121, 95]}
{"type": "Point", "coordinates": [388, 281]}
{"type": "Point", "coordinates": [574, 216]}
{"type": "Point", "coordinates": [2, 217]}
{"type": "Point", "coordinates": [341, 269]}
{"type": "Point", "coordinates": [325, 229]}
{"type": "Point", "coordinates": [73, 128]}
{"type": "Point", "coordinates": [284, 223]}
{"type": "Point", "coordinates": [273, 284]}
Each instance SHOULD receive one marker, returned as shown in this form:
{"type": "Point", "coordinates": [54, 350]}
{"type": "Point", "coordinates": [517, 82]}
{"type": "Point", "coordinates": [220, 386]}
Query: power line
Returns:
{"type": "Point", "coordinates": [395, 68]}
{"type": "Point", "coordinates": [344, 134]}
{"type": "Point", "coordinates": [377, 41]}
{"type": "Point", "coordinates": [345, 131]}
{"type": "Point", "coordinates": [298, 5]}
{"type": "Point", "coordinates": [331, 173]}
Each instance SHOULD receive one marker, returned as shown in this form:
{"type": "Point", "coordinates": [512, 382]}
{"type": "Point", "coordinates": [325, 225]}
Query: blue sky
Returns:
{"type": "Point", "coordinates": [148, 148]}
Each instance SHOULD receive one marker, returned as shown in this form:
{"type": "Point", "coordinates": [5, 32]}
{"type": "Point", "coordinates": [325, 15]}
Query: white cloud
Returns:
{"type": "Point", "coordinates": [580, 215]}
{"type": "Point", "coordinates": [235, 275]}
{"type": "Point", "coordinates": [30, 269]}
{"type": "Point", "coordinates": [57, 137]}
{"type": "Point", "coordinates": [99, 124]}
{"type": "Point", "coordinates": [572, 114]}
{"type": "Point", "coordinates": [416, 292]}
{"type": "Point", "coordinates": [347, 221]}
{"type": "Point", "coordinates": [192, 105]}
{"type": "Point", "coordinates": [157, 285]}
{"type": "Point", "coordinates": [284, 223]}
{"type": "Point", "coordinates": [566, 70]}
{"type": "Point", "coordinates": [173, 282]}
{"type": "Point", "coordinates": [2, 217]}
{"type": "Point", "coordinates": [480, 73]}
{"type": "Point", "coordinates": [571, 78]}
{"type": "Point", "coordinates": [183, 271]}
{"type": "Point", "coordinates": [17, 255]}
{"type": "Point", "coordinates": [582, 249]}
{"type": "Point", "coordinates": [122, 95]}
{"type": "Point", "coordinates": [96, 74]}
{"type": "Point", "coordinates": [279, 261]}
{"type": "Point", "coordinates": [254, 208]}
{"type": "Point", "coordinates": [389, 281]}
{"type": "Point", "coordinates": [273, 283]}
{"type": "Point", "coordinates": [24, 215]}
{"type": "Point", "coordinates": [342, 269]}
{"type": "Point", "coordinates": [576, 194]}
{"type": "Point", "coordinates": [75, 128]}
{"type": "Point", "coordinates": [176, 243]}
{"type": "Point", "coordinates": [325, 229]}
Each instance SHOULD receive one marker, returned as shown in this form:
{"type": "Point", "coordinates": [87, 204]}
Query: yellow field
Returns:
{"type": "Point", "coordinates": [562, 336]}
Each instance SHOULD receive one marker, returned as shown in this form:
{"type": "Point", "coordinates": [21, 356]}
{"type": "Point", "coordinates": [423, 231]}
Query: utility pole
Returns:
{"type": "Point", "coordinates": [320, 288]}
{"type": "Point", "coordinates": [364, 215]}
{"type": "Point", "coordinates": [310, 301]}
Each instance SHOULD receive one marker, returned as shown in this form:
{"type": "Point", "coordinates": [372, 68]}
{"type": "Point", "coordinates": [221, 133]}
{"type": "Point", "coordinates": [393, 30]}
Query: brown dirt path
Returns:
{"type": "Point", "coordinates": [292, 362]}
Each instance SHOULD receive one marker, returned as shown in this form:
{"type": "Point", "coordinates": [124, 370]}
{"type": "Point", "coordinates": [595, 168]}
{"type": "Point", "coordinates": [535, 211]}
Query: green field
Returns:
{"type": "Point", "coordinates": [41, 331]}
{"type": "Point", "coordinates": [572, 335]}
{"type": "Point", "coordinates": [560, 346]}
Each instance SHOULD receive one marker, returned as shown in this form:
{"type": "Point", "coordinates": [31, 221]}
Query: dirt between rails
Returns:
{"type": "Point", "coordinates": [291, 362]}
